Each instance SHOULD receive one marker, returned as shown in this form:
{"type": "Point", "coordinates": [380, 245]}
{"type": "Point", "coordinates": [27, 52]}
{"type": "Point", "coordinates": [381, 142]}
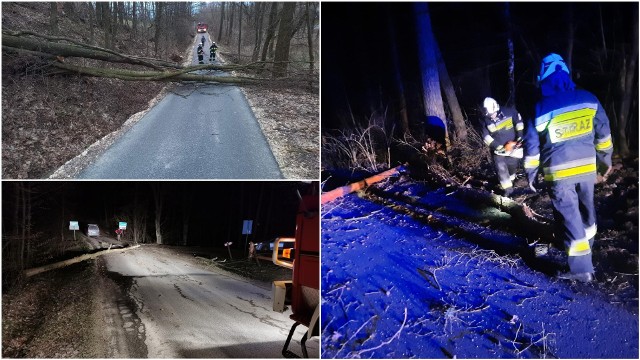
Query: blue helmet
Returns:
{"type": "Point", "coordinates": [550, 64]}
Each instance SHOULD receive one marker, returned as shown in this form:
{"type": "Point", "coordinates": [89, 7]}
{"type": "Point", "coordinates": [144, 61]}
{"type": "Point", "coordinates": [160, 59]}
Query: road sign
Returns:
{"type": "Point", "coordinates": [73, 225]}
{"type": "Point", "coordinates": [122, 225]}
{"type": "Point", "coordinates": [247, 225]}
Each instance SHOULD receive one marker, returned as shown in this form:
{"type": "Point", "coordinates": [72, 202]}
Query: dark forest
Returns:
{"type": "Point", "coordinates": [372, 75]}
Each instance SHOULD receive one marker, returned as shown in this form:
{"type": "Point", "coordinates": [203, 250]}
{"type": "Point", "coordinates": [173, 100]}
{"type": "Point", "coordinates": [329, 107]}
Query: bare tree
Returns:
{"type": "Point", "coordinates": [311, 17]}
{"type": "Point", "coordinates": [271, 30]}
{"type": "Point", "coordinates": [239, 28]}
{"type": "Point", "coordinates": [285, 32]}
{"type": "Point", "coordinates": [158, 198]}
{"type": "Point", "coordinates": [221, 22]}
{"type": "Point", "coordinates": [53, 18]}
{"type": "Point", "coordinates": [427, 50]}
{"type": "Point", "coordinates": [629, 90]}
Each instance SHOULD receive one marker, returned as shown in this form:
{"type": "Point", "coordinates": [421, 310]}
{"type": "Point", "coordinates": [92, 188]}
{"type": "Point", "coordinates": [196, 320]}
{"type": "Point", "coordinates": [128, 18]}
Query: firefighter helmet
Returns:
{"type": "Point", "coordinates": [490, 106]}
{"type": "Point", "coordinates": [550, 64]}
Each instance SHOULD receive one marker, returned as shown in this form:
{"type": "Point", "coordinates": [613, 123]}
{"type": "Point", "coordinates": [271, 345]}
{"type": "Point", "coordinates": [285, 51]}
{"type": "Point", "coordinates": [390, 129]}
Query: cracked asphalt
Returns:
{"type": "Point", "coordinates": [198, 131]}
{"type": "Point", "coordinates": [180, 310]}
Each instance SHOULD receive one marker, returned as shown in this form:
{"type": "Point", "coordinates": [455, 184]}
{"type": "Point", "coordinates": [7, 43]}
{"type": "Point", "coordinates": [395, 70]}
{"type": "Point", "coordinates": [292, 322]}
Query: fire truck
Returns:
{"type": "Point", "coordinates": [302, 292]}
{"type": "Point", "coordinates": [202, 27]}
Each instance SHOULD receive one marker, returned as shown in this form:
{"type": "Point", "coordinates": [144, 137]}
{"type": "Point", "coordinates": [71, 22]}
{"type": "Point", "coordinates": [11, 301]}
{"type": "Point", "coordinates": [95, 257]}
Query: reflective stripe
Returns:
{"type": "Point", "coordinates": [604, 143]}
{"type": "Point", "coordinates": [571, 125]}
{"type": "Point", "coordinates": [541, 121]}
{"type": "Point", "coordinates": [505, 124]}
{"type": "Point", "coordinates": [488, 139]}
{"type": "Point", "coordinates": [505, 184]}
{"type": "Point", "coordinates": [579, 247]}
{"type": "Point", "coordinates": [532, 162]}
{"type": "Point", "coordinates": [573, 163]}
{"type": "Point", "coordinates": [590, 231]}
{"type": "Point", "coordinates": [519, 126]}
{"type": "Point", "coordinates": [491, 127]}
{"type": "Point", "coordinates": [567, 173]}
{"type": "Point", "coordinates": [512, 177]}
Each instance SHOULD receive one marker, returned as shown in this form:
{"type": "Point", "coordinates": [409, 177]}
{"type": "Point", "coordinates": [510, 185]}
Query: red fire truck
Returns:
{"type": "Point", "coordinates": [302, 292]}
{"type": "Point", "coordinates": [202, 27]}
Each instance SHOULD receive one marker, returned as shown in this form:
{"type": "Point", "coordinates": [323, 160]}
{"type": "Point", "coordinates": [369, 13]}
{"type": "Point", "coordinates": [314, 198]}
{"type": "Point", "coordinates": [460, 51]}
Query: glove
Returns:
{"type": "Point", "coordinates": [499, 150]}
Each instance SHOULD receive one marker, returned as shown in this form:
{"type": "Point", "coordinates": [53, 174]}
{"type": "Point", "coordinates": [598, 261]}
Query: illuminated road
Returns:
{"type": "Point", "coordinates": [176, 310]}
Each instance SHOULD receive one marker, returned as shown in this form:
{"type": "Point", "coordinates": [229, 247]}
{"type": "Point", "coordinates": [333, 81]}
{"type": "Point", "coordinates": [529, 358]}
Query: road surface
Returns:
{"type": "Point", "coordinates": [173, 309]}
{"type": "Point", "coordinates": [198, 131]}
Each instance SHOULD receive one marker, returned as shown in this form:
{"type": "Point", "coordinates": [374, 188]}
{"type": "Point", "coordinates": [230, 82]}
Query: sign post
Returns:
{"type": "Point", "coordinates": [122, 226]}
{"type": "Point", "coordinates": [247, 225]}
{"type": "Point", "coordinates": [73, 225]}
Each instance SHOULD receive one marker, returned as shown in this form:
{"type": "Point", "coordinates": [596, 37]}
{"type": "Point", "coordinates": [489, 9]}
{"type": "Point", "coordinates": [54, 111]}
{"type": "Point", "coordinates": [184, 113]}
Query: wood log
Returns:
{"type": "Point", "coordinates": [347, 189]}
{"type": "Point", "coordinates": [77, 259]}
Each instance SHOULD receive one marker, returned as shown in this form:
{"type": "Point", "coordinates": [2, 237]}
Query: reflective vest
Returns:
{"type": "Point", "coordinates": [506, 127]}
{"type": "Point", "coordinates": [569, 135]}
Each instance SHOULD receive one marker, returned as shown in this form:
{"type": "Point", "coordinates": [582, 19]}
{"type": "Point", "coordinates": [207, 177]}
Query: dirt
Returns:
{"type": "Point", "coordinates": [71, 312]}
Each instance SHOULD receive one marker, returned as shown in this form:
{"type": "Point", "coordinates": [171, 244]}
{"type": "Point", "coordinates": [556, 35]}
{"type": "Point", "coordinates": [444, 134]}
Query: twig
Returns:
{"type": "Point", "coordinates": [397, 334]}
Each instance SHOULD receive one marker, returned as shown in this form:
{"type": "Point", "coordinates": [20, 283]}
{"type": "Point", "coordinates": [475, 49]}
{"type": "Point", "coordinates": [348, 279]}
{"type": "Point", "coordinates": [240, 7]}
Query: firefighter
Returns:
{"type": "Point", "coordinates": [571, 140]}
{"type": "Point", "coordinates": [200, 54]}
{"type": "Point", "coordinates": [212, 51]}
{"type": "Point", "coordinates": [203, 40]}
{"type": "Point", "coordinates": [502, 132]}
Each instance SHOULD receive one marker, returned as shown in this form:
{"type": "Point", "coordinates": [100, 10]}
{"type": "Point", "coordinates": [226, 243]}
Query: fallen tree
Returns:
{"type": "Point", "coordinates": [77, 259]}
{"type": "Point", "coordinates": [57, 53]}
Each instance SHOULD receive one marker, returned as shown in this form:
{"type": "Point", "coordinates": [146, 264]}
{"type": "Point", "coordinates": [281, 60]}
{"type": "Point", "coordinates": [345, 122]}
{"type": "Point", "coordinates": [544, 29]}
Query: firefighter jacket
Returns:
{"type": "Point", "coordinates": [200, 51]}
{"type": "Point", "coordinates": [506, 127]}
{"type": "Point", "coordinates": [568, 138]}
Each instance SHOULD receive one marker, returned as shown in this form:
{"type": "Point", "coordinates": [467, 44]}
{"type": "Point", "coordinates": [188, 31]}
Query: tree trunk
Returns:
{"type": "Point", "coordinates": [310, 25]}
{"type": "Point", "coordinates": [230, 27]}
{"type": "Point", "coordinates": [92, 24]}
{"type": "Point", "coordinates": [53, 18]}
{"type": "Point", "coordinates": [220, 28]}
{"type": "Point", "coordinates": [570, 37]}
{"type": "Point", "coordinates": [158, 23]}
{"type": "Point", "coordinates": [285, 32]}
{"type": "Point", "coordinates": [240, 29]}
{"type": "Point", "coordinates": [628, 76]}
{"type": "Point", "coordinates": [397, 80]}
{"type": "Point", "coordinates": [80, 50]}
{"type": "Point", "coordinates": [432, 98]}
{"type": "Point", "coordinates": [511, 77]}
{"type": "Point", "coordinates": [259, 20]}
{"type": "Point", "coordinates": [106, 15]}
{"type": "Point", "coordinates": [271, 30]}
{"type": "Point", "coordinates": [460, 127]}
{"type": "Point", "coordinates": [158, 198]}
{"type": "Point", "coordinates": [134, 20]}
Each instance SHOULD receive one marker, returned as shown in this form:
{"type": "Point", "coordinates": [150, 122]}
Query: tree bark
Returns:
{"type": "Point", "coordinates": [158, 198]}
{"type": "Point", "coordinates": [158, 25]}
{"type": "Point", "coordinates": [460, 127]}
{"type": "Point", "coordinates": [240, 28]}
{"type": "Point", "coordinates": [53, 18]}
{"type": "Point", "coordinates": [310, 25]}
{"type": "Point", "coordinates": [628, 75]}
{"type": "Point", "coordinates": [285, 32]}
{"type": "Point", "coordinates": [432, 98]}
{"type": "Point", "coordinates": [230, 26]}
{"type": "Point", "coordinates": [259, 20]}
{"type": "Point", "coordinates": [511, 71]}
{"type": "Point", "coordinates": [106, 14]}
{"type": "Point", "coordinates": [221, 23]}
{"type": "Point", "coordinates": [134, 20]}
{"type": "Point", "coordinates": [271, 30]}
{"type": "Point", "coordinates": [92, 24]}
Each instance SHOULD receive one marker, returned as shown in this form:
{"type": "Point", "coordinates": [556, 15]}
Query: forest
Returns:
{"type": "Point", "coordinates": [397, 71]}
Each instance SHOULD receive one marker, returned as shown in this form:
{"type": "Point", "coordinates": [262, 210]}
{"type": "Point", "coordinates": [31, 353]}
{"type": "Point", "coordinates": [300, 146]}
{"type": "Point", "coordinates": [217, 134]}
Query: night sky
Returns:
{"type": "Point", "coordinates": [359, 40]}
{"type": "Point", "coordinates": [217, 209]}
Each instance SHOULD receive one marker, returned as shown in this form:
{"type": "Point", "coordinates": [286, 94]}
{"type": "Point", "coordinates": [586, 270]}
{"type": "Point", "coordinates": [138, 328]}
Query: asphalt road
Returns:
{"type": "Point", "coordinates": [198, 131]}
{"type": "Point", "coordinates": [177, 310]}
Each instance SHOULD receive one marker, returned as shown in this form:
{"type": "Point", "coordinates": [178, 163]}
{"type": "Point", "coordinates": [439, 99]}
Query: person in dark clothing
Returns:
{"type": "Point", "coordinates": [502, 132]}
{"type": "Point", "coordinates": [212, 51]}
{"type": "Point", "coordinates": [570, 140]}
{"type": "Point", "coordinates": [203, 40]}
{"type": "Point", "coordinates": [200, 54]}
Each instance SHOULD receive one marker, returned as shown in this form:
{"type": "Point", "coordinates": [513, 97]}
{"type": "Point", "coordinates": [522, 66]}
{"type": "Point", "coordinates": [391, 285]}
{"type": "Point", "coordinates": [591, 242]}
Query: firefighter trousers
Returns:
{"type": "Point", "coordinates": [575, 222]}
{"type": "Point", "coordinates": [506, 167]}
